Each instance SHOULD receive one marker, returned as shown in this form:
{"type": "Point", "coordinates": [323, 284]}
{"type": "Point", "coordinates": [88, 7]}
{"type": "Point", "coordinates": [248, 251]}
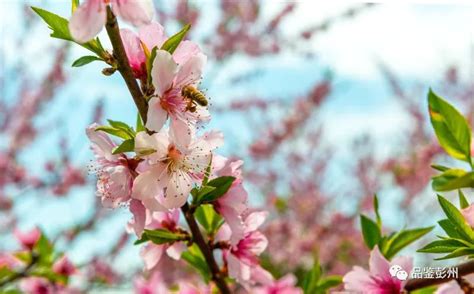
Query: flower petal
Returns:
{"type": "Point", "coordinates": [174, 251]}
{"type": "Point", "coordinates": [152, 35]}
{"type": "Point", "coordinates": [139, 216]}
{"type": "Point", "coordinates": [191, 71]}
{"type": "Point", "coordinates": [102, 145]}
{"type": "Point", "coordinates": [177, 190]}
{"type": "Point", "coordinates": [151, 255]}
{"type": "Point", "coordinates": [157, 116]}
{"type": "Point", "coordinates": [158, 142]}
{"type": "Point", "coordinates": [181, 132]}
{"type": "Point", "coordinates": [136, 12]}
{"type": "Point", "coordinates": [378, 264]}
{"type": "Point", "coordinates": [163, 72]}
{"type": "Point", "coordinates": [133, 49]}
{"type": "Point", "coordinates": [87, 20]}
{"type": "Point", "coordinates": [146, 185]}
{"type": "Point", "coordinates": [186, 49]}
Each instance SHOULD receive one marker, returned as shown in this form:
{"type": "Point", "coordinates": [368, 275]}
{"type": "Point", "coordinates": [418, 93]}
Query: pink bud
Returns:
{"type": "Point", "coordinates": [63, 266]}
{"type": "Point", "coordinates": [28, 239]}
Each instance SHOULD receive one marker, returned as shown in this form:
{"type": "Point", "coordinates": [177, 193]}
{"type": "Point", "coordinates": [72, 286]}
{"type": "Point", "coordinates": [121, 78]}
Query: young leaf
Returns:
{"type": "Point", "coordinates": [208, 218]}
{"type": "Point", "coordinates": [85, 60]}
{"type": "Point", "coordinates": [455, 216]}
{"type": "Point", "coordinates": [140, 127]}
{"type": "Point", "coordinates": [327, 283]}
{"type": "Point", "coordinates": [463, 203]}
{"type": "Point", "coordinates": [457, 253]}
{"type": "Point", "coordinates": [172, 43]}
{"type": "Point", "coordinates": [121, 126]}
{"type": "Point", "coordinates": [370, 231]}
{"type": "Point", "coordinates": [149, 64]}
{"type": "Point", "coordinates": [376, 208]}
{"type": "Point", "coordinates": [440, 168]}
{"type": "Point", "coordinates": [451, 128]}
{"type": "Point", "coordinates": [453, 179]}
{"type": "Point", "coordinates": [75, 4]}
{"type": "Point", "coordinates": [450, 228]}
{"type": "Point", "coordinates": [115, 132]}
{"type": "Point", "coordinates": [195, 258]}
{"type": "Point", "coordinates": [404, 238]}
{"type": "Point", "coordinates": [163, 236]}
{"type": "Point", "coordinates": [442, 246]}
{"type": "Point", "coordinates": [221, 185]}
{"type": "Point", "coordinates": [311, 278]}
{"type": "Point", "coordinates": [126, 146]}
{"type": "Point", "coordinates": [44, 249]}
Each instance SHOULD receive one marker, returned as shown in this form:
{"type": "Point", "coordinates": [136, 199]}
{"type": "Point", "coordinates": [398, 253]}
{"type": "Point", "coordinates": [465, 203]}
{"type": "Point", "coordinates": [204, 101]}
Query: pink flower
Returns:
{"type": "Point", "coordinates": [234, 203]}
{"type": "Point", "coordinates": [152, 253]}
{"type": "Point", "coordinates": [63, 266]}
{"type": "Point", "coordinates": [28, 239]}
{"type": "Point", "coordinates": [33, 285]}
{"type": "Point", "coordinates": [89, 18]}
{"type": "Point", "coordinates": [449, 288]}
{"type": "Point", "coordinates": [151, 36]}
{"type": "Point", "coordinates": [378, 280]}
{"type": "Point", "coordinates": [242, 255]}
{"type": "Point", "coordinates": [9, 261]}
{"type": "Point", "coordinates": [468, 214]}
{"type": "Point", "coordinates": [115, 180]}
{"type": "Point", "coordinates": [169, 79]}
{"type": "Point", "coordinates": [285, 285]}
{"type": "Point", "coordinates": [172, 169]}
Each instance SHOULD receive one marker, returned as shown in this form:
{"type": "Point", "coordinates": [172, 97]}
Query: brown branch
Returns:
{"type": "Point", "coordinates": [127, 74]}
{"type": "Point", "coordinates": [217, 276]}
{"type": "Point", "coordinates": [463, 269]}
{"type": "Point", "coordinates": [123, 65]}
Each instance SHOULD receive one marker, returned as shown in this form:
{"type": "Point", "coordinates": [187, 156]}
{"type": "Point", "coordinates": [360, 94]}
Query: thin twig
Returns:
{"type": "Point", "coordinates": [123, 65]}
{"type": "Point", "coordinates": [217, 276]}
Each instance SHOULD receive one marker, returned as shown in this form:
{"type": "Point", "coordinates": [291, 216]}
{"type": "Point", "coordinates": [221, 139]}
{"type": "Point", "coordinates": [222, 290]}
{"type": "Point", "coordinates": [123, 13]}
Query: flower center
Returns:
{"type": "Point", "coordinates": [174, 158]}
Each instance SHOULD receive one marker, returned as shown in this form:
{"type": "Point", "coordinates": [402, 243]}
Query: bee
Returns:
{"type": "Point", "coordinates": [193, 96]}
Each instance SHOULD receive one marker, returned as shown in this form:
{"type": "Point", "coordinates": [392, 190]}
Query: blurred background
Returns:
{"type": "Point", "coordinates": [325, 102]}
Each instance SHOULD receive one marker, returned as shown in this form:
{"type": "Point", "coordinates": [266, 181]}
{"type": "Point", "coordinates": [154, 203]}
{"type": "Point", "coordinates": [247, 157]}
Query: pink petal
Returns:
{"type": "Point", "coordinates": [191, 71]}
{"type": "Point", "coordinates": [262, 276]}
{"type": "Point", "coordinates": [181, 132]}
{"type": "Point", "coordinates": [234, 222]}
{"type": "Point", "coordinates": [151, 255]}
{"type": "Point", "coordinates": [224, 233]}
{"type": "Point", "coordinates": [136, 12]}
{"type": "Point", "coordinates": [87, 21]}
{"type": "Point", "coordinates": [101, 143]}
{"type": "Point", "coordinates": [255, 220]}
{"type": "Point", "coordinates": [177, 190]}
{"type": "Point", "coordinates": [185, 50]}
{"type": "Point", "coordinates": [157, 116]}
{"type": "Point", "coordinates": [358, 280]}
{"type": "Point", "coordinates": [152, 35]}
{"type": "Point", "coordinates": [174, 251]}
{"type": "Point", "coordinates": [139, 216]}
{"type": "Point", "coordinates": [449, 288]}
{"type": "Point", "coordinates": [163, 72]}
{"type": "Point", "coordinates": [159, 142]}
{"type": "Point", "coordinates": [378, 264]}
{"type": "Point", "coordinates": [468, 214]}
{"type": "Point", "coordinates": [214, 139]}
{"type": "Point", "coordinates": [146, 184]}
{"type": "Point", "coordinates": [134, 50]}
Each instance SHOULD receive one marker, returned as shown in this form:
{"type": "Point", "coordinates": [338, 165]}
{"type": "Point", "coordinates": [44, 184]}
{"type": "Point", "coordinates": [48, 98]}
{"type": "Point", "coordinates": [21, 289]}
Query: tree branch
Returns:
{"type": "Point", "coordinates": [463, 269]}
{"type": "Point", "coordinates": [123, 65]}
{"type": "Point", "coordinates": [217, 276]}
{"type": "Point", "coordinates": [127, 74]}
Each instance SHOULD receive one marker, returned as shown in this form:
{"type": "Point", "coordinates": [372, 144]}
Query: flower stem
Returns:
{"type": "Point", "coordinates": [217, 276]}
{"type": "Point", "coordinates": [124, 68]}
{"type": "Point", "coordinates": [463, 269]}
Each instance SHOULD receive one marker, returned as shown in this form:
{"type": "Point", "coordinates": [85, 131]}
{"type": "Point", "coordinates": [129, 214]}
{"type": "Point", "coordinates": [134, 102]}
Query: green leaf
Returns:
{"type": "Point", "coordinates": [450, 228]}
{"type": "Point", "coordinates": [463, 203]}
{"type": "Point", "coordinates": [75, 4]}
{"type": "Point", "coordinates": [163, 236]}
{"type": "Point", "coordinates": [327, 283]}
{"type": "Point", "coordinates": [126, 146]}
{"type": "Point", "coordinates": [85, 60]}
{"type": "Point", "coordinates": [404, 238]}
{"type": "Point", "coordinates": [172, 43]}
{"type": "Point", "coordinates": [195, 258]}
{"type": "Point", "coordinates": [451, 128]}
{"type": "Point", "coordinates": [311, 279]}
{"type": "Point", "coordinates": [60, 30]}
{"type": "Point", "coordinates": [440, 168]}
{"type": "Point", "coordinates": [204, 190]}
{"type": "Point", "coordinates": [370, 231]}
{"type": "Point", "coordinates": [45, 251]}
{"type": "Point", "coordinates": [376, 208]}
{"type": "Point", "coordinates": [221, 185]}
{"type": "Point", "coordinates": [140, 127]}
{"type": "Point", "coordinates": [457, 219]}
{"type": "Point", "coordinates": [114, 132]}
{"type": "Point", "coordinates": [453, 179]}
{"type": "Point", "coordinates": [149, 64]}
{"type": "Point", "coordinates": [122, 126]}
{"type": "Point", "coordinates": [442, 246]}
{"type": "Point", "coordinates": [209, 219]}
{"type": "Point", "coordinates": [458, 253]}
{"type": "Point", "coordinates": [207, 173]}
